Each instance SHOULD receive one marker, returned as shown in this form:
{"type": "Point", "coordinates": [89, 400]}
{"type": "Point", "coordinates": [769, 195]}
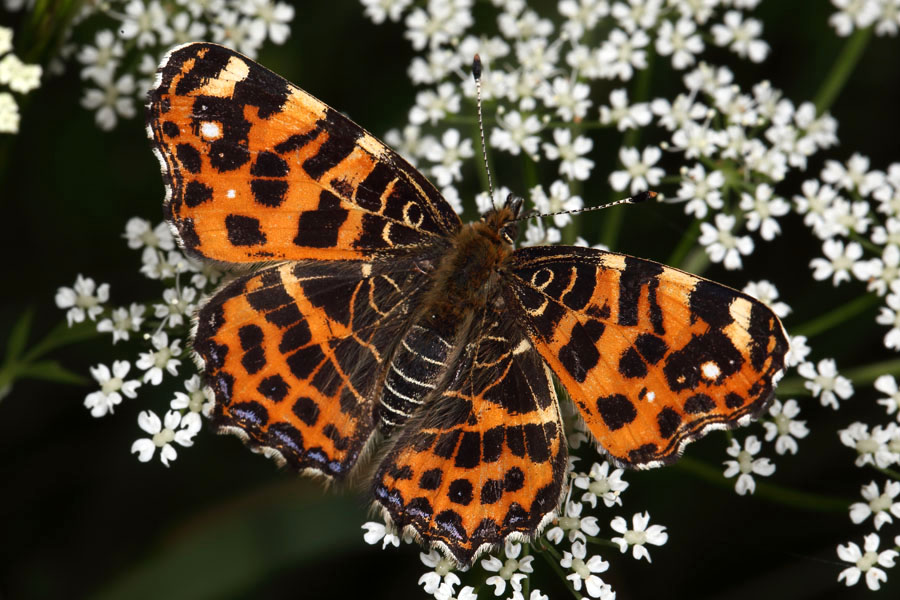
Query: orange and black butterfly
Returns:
{"type": "Point", "coordinates": [373, 310]}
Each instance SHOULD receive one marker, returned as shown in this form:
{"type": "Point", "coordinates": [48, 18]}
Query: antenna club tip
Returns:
{"type": "Point", "coordinates": [476, 67]}
{"type": "Point", "coordinates": [644, 196]}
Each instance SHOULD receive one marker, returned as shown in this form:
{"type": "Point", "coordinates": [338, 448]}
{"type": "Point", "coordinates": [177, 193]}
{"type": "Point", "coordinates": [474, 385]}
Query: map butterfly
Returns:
{"type": "Point", "coordinates": [369, 310]}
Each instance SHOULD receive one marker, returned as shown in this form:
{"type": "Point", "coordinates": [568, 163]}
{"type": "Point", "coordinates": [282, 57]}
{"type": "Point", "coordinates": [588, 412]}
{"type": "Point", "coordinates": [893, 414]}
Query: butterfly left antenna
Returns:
{"type": "Point", "coordinates": [637, 198]}
{"type": "Point", "coordinates": [476, 73]}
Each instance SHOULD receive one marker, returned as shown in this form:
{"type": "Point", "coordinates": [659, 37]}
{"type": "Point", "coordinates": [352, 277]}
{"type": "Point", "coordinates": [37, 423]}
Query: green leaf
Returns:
{"type": "Point", "coordinates": [51, 370]}
{"type": "Point", "coordinates": [223, 551]}
{"type": "Point", "coordinates": [63, 335]}
{"type": "Point", "coordinates": [18, 336]}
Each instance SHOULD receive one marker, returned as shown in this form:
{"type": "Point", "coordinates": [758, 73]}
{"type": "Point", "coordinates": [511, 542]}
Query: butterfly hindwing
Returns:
{"type": "Point", "coordinates": [256, 169]}
{"type": "Point", "coordinates": [488, 457]}
{"type": "Point", "coordinates": [293, 355]}
{"type": "Point", "coordinates": [652, 356]}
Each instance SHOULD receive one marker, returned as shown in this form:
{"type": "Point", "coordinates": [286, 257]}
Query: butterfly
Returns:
{"type": "Point", "coordinates": [369, 310]}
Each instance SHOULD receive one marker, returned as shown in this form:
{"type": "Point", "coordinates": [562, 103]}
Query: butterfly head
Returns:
{"type": "Point", "coordinates": [503, 219]}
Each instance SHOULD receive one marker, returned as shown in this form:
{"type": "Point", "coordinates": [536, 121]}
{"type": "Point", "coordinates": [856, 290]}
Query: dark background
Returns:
{"type": "Point", "coordinates": [80, 517]}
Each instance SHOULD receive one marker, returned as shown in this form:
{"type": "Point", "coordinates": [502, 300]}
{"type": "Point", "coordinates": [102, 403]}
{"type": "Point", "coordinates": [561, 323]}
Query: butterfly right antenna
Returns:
{"type": "Point", "coordinates": [476, 73]}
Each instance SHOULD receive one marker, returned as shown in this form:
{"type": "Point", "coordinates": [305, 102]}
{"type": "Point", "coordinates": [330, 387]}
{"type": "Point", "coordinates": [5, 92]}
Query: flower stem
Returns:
{"type": "Point", "coordinates": [552, 557]}
{"type": "Point", "coordinates": [613, 222]}
{"type": "Point", "coordinates": [836, 316]}
{"type": "Point", "coordinates": [768, 491]}
{"type": "Point", "coordinates": [840, 71]}
{"type": "Point", "coordinates": [685, 245]}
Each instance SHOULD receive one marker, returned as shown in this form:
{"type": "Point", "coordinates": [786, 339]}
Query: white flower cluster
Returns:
{"type": "Point", "coordinates": [160, 333]}
{"type": "Point", "coordinates": [18, 77]}
{"type": "Point", "coordinates": [861, 14]}
{"type": "Point", "coordinates": [119, 63]}
{"type": "Point", "coordinates": [571, 531]}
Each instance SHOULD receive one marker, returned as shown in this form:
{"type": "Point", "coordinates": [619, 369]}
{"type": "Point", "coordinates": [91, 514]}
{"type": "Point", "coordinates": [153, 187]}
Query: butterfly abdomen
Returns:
{"type": "Point", "coordinates": [464, 282]}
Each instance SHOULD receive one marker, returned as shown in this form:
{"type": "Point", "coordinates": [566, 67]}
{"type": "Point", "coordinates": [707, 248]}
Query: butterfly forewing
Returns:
{"type": "Point", "coordinates": [257, 169]}
{"type": "Point", "coordinates": [652, 356]}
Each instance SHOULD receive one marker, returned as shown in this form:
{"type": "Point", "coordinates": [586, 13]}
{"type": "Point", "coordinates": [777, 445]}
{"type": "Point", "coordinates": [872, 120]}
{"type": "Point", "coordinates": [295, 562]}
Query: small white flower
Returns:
{"type": "Point", "coordinates": [882, 505]}
{"type": "Point", "coordinates": [681, 40]}
{"type": "Point", "coordinates": [572, 525]}
{"type": "Point", "coordinates": [639, 170]}
{"type": "Point", "coordinates": [568, 97]}
{"type": "Point", "coordinates": [177, 303]}
{"type": "Point", "coordinates": [722, 245]}
{"type": "Point", "coordinates": [885, 270]}
{"type": "Point", "coordinates": [855, 176]}
{"type": "Point", "coordinates": [9, 113]}
{"type": "Point", "coordinates": [886, 384]}
{"type": "Point", "coordinates": [449, 154]}
{"type": "Point", "coordinates": [514, 134]}
{"type": "Point", "coordinates": [839, 262]}
{"type": "Point", "coordinates": [623, 115]}
{"type": "Point", "coordinates": [890, 315]}
{"type": "Point", "coordinates": [386, 533]}
{"type": "Point", "coordinates": [599, 482]}
{"type": "Point", "coordinates": [767, 293]}
{"type": "Point", "coordinates": [825, 383]}
{"type": "Point", "coordinates": [762, 208]}
{"type": "Point", "coordinates": [582, 15]}
{"type": "Point", "coordinates": [700, 191]}
{"type": "Point", "coordinates": [697, 140]}
{"type": "Point", "coordinates": [441, 573]}
{"type": "Point", "coordinates": [683, 110]}
{"type": "Point", "coordinates": [198, 399]}
{"type": "Point", "coordinates": [784, 428]}
{"type": "Point", "coordinates": [514, 570]}
{"type": "Point", "coordinates": [379, 10]}
{"type": "Point", "coordinates": [584, 572]}
{"type": "Point", "coordinates": [559, 200]}
{"type": "Point", "coordinates": [164, 265]}
{"type": "Point", "coordinates": [852, 14]}
{"type": "Point", "coordinates": [268, 17]}
{"type": "Point", "coordinates": [741, 36]}
{"type": "Point", "coordinates": [538, 235]}
{"type": "Point", "coordinates": [622, 53]}
{"type": "Point", "coordinates": [639, 535]}
{"type": "Point", "coordinates": [112, 387]}
{"type": "Point", "coordinates": [174, 428]}
{"type": "Point", "coordinates": [84, 299]}
{"type": "Point", "coordinates": [865, 563]}
{"type": "Point", "coordinates": [100, 61]}
{"type": "Point", "coordinates": [114, 99]}
{"type": "Point", "coordinates": [123, 322]}
{"type": "Point", "coordinates": [798, 351]}
{"type": "Point", "coordinates": [871, 448]}
{"type": "Point", "coordinates": [570, 154]}
{"type": "Point", "coordinates": [143, 22]}
{"type": "Point", "coordinates": [746, 465]}
{"type": "Point", "coordinates": [433, 106]}
{"type": "Point", "coordinates": [163, 357]}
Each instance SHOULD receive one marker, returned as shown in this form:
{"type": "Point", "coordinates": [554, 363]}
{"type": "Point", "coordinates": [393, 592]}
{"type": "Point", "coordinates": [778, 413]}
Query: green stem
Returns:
{"type": "Point", "coordinates": [684, 246]}
{"type": "Point", "coordinates": [890, 473]}
{"type": "Point", "coordinates": [840, 71]}
{"type": "Point", "coordinates": [768, 491]}
{"type": "Point", "coordinates": [613, 221]}
{"type": "Point", "coordinates": [837, 316]}
{"type": "Point", "coordinates": [868, 373]}
{"type": "Point", "coordinates": [696, 262]}
{"type": "Point", "coordinates": [552, 557]}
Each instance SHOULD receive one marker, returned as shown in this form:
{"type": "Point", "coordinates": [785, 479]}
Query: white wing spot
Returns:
{"type": "Point", "coordinates": [230, 194]}
{"type": "Point", "coordinates": [710, 370]}
{"type": "Point", "coordinates": [210, 130]}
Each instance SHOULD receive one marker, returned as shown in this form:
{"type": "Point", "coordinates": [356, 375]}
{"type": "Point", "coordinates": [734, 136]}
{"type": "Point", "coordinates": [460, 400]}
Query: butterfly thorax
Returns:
{"type": "Point", "coordinates": [464, 282]}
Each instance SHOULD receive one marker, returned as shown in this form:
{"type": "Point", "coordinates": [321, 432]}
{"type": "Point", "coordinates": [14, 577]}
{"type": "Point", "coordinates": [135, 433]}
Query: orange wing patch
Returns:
{"type": "Point", "coordinates": [257, 169]}
{"type": "Point", "coordinates": [488, 457]}
{"type": "Point", "coordinates": [293, 355]}
{"type": "Point", "coordinates": [652, 356]}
